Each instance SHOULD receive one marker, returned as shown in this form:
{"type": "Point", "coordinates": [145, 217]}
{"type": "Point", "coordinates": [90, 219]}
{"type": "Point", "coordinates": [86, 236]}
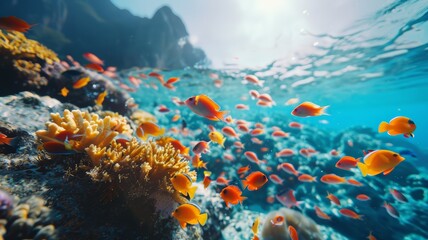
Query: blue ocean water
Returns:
{"type": "Point", "coordinates": [373, 72]}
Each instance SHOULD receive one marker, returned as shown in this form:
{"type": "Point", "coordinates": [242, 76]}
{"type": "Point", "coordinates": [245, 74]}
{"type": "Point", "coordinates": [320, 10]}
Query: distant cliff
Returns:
{"type": "Point", "coordinates": [120, 38]}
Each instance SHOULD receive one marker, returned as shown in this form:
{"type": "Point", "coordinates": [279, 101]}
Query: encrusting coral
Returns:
{"type": "Point", "coordinates": [89, 127]}
{"type": "Point", "coordinates": [144, 167]}
{"type": "Point", "coordinates": [28, 57]}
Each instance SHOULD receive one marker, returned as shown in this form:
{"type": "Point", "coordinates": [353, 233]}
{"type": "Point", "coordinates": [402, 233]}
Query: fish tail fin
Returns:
{"type": "Point", "coordinates": [363, 168]}
{"type": "Point", "coordinates": [383, 127]}
{"type": "Point", "coordinates": [245, 184]}
{"type": "Point", "coordinates": [323, 110]}
{"type": "Point", "coordinates": [222, 142]}
{"type": "Point", "coordinates": [162, 132]}
{"type": "Point", "coordinates": [192, 191]}
{"type": "Point", "coordinates": [262, 161]}
{"type": "Point", "coordinates": [241, 199]}
{"type": "Point", "coordinates": [10, 141]}
{"type": "Point", "coordinates": [221, 115]}
{"type": "Point", "coordinates": [202, 219]}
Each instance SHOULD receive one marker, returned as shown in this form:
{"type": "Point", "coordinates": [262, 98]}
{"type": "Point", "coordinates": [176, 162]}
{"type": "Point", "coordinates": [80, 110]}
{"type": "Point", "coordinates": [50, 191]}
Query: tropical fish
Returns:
{"type": "Point", "coordinates": [242, 107]}
{"type": "Point", "coordinates": [257, 132]}
{"type": "Point", "coordinates": [398, 125]}
{"type": "Point", "coordinates": [333, 198]}
{"type": "Point", "coordinates": [201, 147]}
{"type": "Point", "coordinates": [351, 214]}
{"type": "Point", "coordinates": [189, 214]}
{"type": "Point", "coordinates": [254, 94]}
{"type": "Point", "coordinates": [288, 168]}
{"type": "Point", "coordinates": [239, 144]}
{"type": "Point", "coordinates": [100, 99]}
{"type": "Point", "coordinates": [183, 184]}
{"type": "Point", "coordinates": [232, 194]}
{"type": "Point", "coordinates": [207, 180]}
{"type": "Point", "coordinates": [293, 233]}
{"type": "Point", "coordinates": [278, 220]}
{"type": "Point", "coordinates": [147, 129]}
{"type": "Point", "coordinates": [64, 92]}
{"type": "Point", "coordinates": [175, 118]}
{"type": "Point", "coordinates": [204, 106]}
{"type": "Point", "coordinates": [295, 125]}
{"type": "Point", "coordinates": [243, 128]}
{"type": "Point", "coordinates": [221, 180]}
{"type": "Point", "coordinates": [321, 214]}
{"type": "Point", "coordinates": [93, 58]}
{"type": "Point", "coordinates": [252, 157]}
{"type": "Point", "coordinates": [81, 82]}
{"type": "Point", "coordinates": [286, 152]}
{"type": "Point", "coordinates": [379, 161]}
{"type": "Point", "coordinates": [230, 132]}
{"type": "Point", "coordinates": [291, 101]}
{"type": "Point", "coordinates": [288, 199]}
{"type": "Point", "coordinates": [391, 210]}
{"type": "Point", "coordinates": [217, 137]}
{"type": "Point", "coordinates": [354, 182]}
{"type": "Point", "coordinates": [255, 80]}
{"type": "Point", "coordinates": [4, 140]}
{"type": "Point", "coordinates": [332, 179]}
{"type": "Point", "coordinates": [362, 197]}
{"type": "Point", "coordinates": [398, 195]}
{"type": "Point", "coordinates": [280, 134]}
{"type": "Point", "coordinates": [173, 80]}
{"type": "Point", "coordinates": [255, 226]}
{"type": "Point", "coordinates": [371, 237]}
{"type": "Point", "coordinates": [308, 109]}
{"type": "Point", "coordinates": [12, 23]}
{"type": "Point", "coordinates": [347, 162]}
{"type": "Point", "coordinates": [254, 181]}
{"type": "Point", "coordinates": [307, 178]}
{"type": "Point", "coordinates": [276, 179]}
{"type": "Point", "coordinates": [198, 163]}
{"type": "Point", "coordinates": [95, 67]}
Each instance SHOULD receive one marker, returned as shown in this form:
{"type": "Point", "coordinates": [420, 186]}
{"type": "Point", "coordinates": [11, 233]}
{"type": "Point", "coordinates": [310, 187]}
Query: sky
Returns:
{"type": "Point", "coordinates": [253, 33]}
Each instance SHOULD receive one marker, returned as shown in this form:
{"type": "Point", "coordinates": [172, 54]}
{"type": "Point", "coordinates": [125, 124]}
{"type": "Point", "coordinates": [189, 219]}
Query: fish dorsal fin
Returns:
{"type": "Point", "coordinates": [367, 152]}
{"type": "Point", "coordinates": [206, 99]}
{"type": "Point", "coordinates": [235, 188]}
{"type": "Point", "coordinates": [196, 206]}
{"type": "Point", "coordinates": [188, 177]}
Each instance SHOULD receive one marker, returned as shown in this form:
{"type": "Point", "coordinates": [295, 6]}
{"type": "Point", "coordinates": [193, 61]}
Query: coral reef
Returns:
{"type": "Point", "coordinates": [140, 116]}
{"type": "Point", "coordinates": [28, 220]}
{"type": "Point", "coordinates": [90, 128]}
{"type": "Point", "coordinates": [139, 169]}
{"type": "Point", "coordinates": [23, 59]}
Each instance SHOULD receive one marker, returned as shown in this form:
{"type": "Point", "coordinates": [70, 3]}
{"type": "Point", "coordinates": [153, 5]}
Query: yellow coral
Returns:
{"type": "Point", "coordinates": [91, 128]}
{"type": "Point", "coordinates": [147, 166]}
{"type": "Point", "coordinates": [119, 123]}
{"type": "Point", "coordinates": [28, 56]}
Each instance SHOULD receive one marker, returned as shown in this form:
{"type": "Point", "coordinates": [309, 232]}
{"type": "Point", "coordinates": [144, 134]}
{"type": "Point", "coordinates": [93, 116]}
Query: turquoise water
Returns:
{"type": "Point", "coordinates": [373, 72]}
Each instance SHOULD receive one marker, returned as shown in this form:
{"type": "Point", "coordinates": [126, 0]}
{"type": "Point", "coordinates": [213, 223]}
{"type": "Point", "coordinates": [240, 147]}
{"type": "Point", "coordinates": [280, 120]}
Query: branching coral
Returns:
{"type": "Point", "coordinates": [25, 57]}
{"type": "Point", "coordinates": [90, 128]}
{"type": "Point", "coordinates": [119, 122]}
{"type": "Point", "coordinates": [145, 168]}
{"type": "Point", "coordinates": [140, 116]}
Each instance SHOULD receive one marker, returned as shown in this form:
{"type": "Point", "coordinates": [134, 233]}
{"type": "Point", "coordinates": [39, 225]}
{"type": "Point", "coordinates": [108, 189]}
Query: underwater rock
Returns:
{"type": "Point", "coordinates": [6, 204]}
{"type": "Point", "coordinates": [305, 226]}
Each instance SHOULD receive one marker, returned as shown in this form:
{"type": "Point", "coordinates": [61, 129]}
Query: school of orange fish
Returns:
{"type": "Point", "coordinates": [374, 162]}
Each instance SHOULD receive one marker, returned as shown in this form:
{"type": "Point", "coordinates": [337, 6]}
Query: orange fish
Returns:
{"type": "Point", "coordinates": [95, 67]}
{"type": "Point", "coordinates": [398, 125]}
{"type": "Point", "coordinates": [242, 107]}
{"type": "Point", "coordinates": [173, 80]}
{"type": "Point", "coordinates": [64, 92]}
{"type": "Point", "coordinates": [158, 76]}
{"type": "Point", "coordinates": [201, 147]}
{"type": "Point", "coordinates": [277, 220]}
{"type": "Point", "coordinates": [207, 180]}
{"type": "Point", "coordinates": [204, 106]}
{"type": "Point", "coordinates": [371, 237]}
{"type": "Point", "coordinates": [149, 129]}
{"type": "Point", "coordinates": [255, 181]}
{"type": "Point", "coordinates": [93, 58]}
{"type": "Point", "coordinates": [307, 178]}
{"type": "Point", "coordinates": [183, 184]}
{"type": "Point", "coordinates": [280, 134]}
{"type": "Point", "coordinates": [363, 197]}
{"type": "Point", "coordinates": [13, 23]}
{"type": "Point", "coordinates": [243, 170]}
{"type": "Point", "coordinates": [379, 161]}
{"type": "Point", "coordinates": [100, 99]}
{"type": "Point", "coordinates": [332, 179]}
{"type": "Point", "coordinates": [288, 167]}
{"type": "Point", "coordinates": [257, 131]}
{"type": "Point", "coordinates": [230, 132]}
{"type": "Point", "coordinates": [295, 125]}
{"type": "Point", "coordinates": [347, 162]}
{"type": "Point", "coordinates": [81, 82]}
{"type": "Point", "coordinates": [5, 140]}
{"type": "Point", "coordinates": [276, 179]}
{"type": "Point", "coordinates": [255, 80]}
{"type": "Point", "coordinates": [232, 194]}
{"type": "Point", "coordinates": [286, 152]}
{"type": "Point", "coordinates": [176, 144]}
{"type": "Point", "coordinates": [308, 109]}
{"type": "Point", "coordinates": [189, 214]}
{"type": "Point", "coordinates": [252, 157]}
{"type": "Point", "coordinates": [293, 233]}
{"type": "Point", "coordinates": [254, 94]}
{"type": "Point", "coordinates": [351, 214]}
{"type": "Point", "coordinates": [321, 214]}
{"type": "Point", "coordinates": [198, 163]}
{"type": "Point", "coordinates": [175, 118]}
{"type": "Point", "coordinates": [354, 182]}
{"type": "Point", "coordinates": [333, 198]}
{"type": "Point", "coordinates": [398, 195]}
